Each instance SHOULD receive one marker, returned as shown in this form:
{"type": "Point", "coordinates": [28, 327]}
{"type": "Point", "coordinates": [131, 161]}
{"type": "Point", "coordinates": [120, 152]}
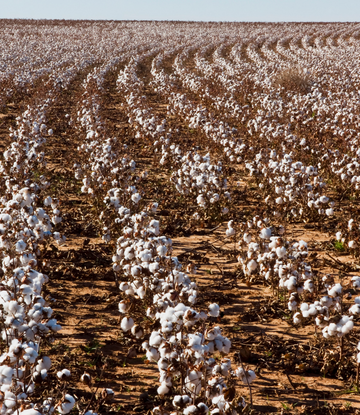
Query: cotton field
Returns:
{"type": "Point", "coordinates": [179, 224]}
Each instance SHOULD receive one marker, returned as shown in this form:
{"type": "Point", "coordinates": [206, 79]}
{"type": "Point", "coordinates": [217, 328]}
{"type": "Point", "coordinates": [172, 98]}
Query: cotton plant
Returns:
{"type": "Point", "coordinates": [199, 178]}
{"type": "Point", "coordinates": [348, 236]}
{"type": "Point", "coordinates": [331, 317]}
{"type": "Point", "coordinates": [292, 189]}
{"type": "Point", "coordinates": [266, 253]}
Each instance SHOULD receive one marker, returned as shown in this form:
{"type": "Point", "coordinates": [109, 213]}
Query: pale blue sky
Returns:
{"type": "Point", "coordinates": [201, 10]}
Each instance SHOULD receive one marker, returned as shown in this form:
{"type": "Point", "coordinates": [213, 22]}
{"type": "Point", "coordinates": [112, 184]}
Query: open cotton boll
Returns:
{"type": "Point", "coordinates": [30, 411]}
{"type": "Point", "coordinates": [163, 389]}
{"type": "Point", "coordinates": [304, 307]}
{"type": "Point", "coordinates": [192, 409]}
{"type": "Point", "coordinates": [347, 327]}
{"type": "Point", "coordinates": [10, 400]}
{"type": "Point", "coordinates": [48, 201]}
{"type": "Point", "coordinates": [356, 281]}
{"type": "Point", "coordinates": [247, 238]}
{"type": "Point", "coordinates": [230, 231]}
{"type": "Point", "coordinates": [265, 233]}
{"type": "Point", "coordinates": [329, 212]}
{"type": "Point", "coordinates": [136, 197]}
{"type": "Point", "coordinates": [152, 354]}
{"type": "Point", "coordinates": [137, 331]}
{"type": "Point", "coordinates": [246, 376]}
{"type": "Point", "coordinates": [324, 199]}
{"type": "Point", "coordinates": [64, 375]}
{"type": "Point", "coordinates": [297, 318]}
{"type": "Point", "coordinates": [124, 305]}
{"type": "Point", "coordinates": [124, 286]}
{"type": "Point", "coordinates": [335, 290]}
{"type": "Point", "coordinates": [354, 309]}
{"type": "Point", "coordinates": [155, 339]}
{"type": "Point", "coordinates": [126, 323]}
{"type": "Point", "coordinates": [193, 381]}
{"type": "Point", "coordinates": [20, 246]}
{"type": "Point", "coordinates": [280, 252]}
{"type": "Point", "coordinates": [180, 401]}
{"type": "Point", "coordinates": [252, 265]}
{"type": "Point", "coordinates": [67, 405]}
{"type": "Point", "coordinates": [214, 310]}
{"type": "Point", "coordinates": [43, 363]}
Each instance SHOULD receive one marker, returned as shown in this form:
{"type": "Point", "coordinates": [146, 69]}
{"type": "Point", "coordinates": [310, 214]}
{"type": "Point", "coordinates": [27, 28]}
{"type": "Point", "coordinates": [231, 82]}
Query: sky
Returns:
{"type": "Point", "coordinates": [195, 10]}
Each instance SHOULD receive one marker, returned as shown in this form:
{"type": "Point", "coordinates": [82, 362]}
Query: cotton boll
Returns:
{"type": "Point", "coordinates": [163, 389]}
{"type": "Point", "coordinates": [252, 265]}
{"type": "Point", "coordinates": [335, 290]}
{"type": "Point", "coordinates": [326, 301]}
{"type": "Point", "coordinates": [64, 375]}
{"type": "Point", "coordinates": [86, 378]}
{"type": "Point", "coordinates": [152, 354]}
{"type": "Point", "coordinates": [136, 198]}
{"type": "Point", "coordinates": [297, 318]}
{"type": "Point", "coordinates": [67, 404]}
{"type": "Point", "coordinates": [281, 252]}
{"type": "Point", "coordinates": [338, 236]}
{"type": "Point", "coordinates": [30, 411]}
{"type": "Point", "coordinates": [324, 199]}
{"type": "Point", "coordinates": [214, 310]}
{"type": "Point", "coordinates": [161, 250]}
{"type": "Point", "coordinates": [124, 305]}
{"type": "Point", "coordinates": [155, 339]}
{"type": "Point", "coordinates": [356, 282]}
{"type": "Point", "coordinates": [48, 201]}
{"type": "Point", "coordinates": [247, 238]}
{"type": "Point", "coordinates": [354, 309]}
{"type": "Point", "coordinates": [180, 401]}
{"type": "Point", "coordinates": [137, 331]}
{"type": "Point", "coordinates": [347, 327]}
{"type": "Point", "coordinates": [247, 376]}
{"type": "Point", "coordinates": [265, 233]}
{"type": "Point", "coordinates": [230, 232]}
{"type": "Point", "coordinates": [126, 324]}
{"type": "Point", "coordinates": [9, 400]}
{"type": "Point", "coordinates": [20, 246]}
{"type": "Point", "coordinates": [124, 286]}
{"type": "Point", "coordinates": [43, 363]}
{"type": "Point", "coordinates": [329, 212]}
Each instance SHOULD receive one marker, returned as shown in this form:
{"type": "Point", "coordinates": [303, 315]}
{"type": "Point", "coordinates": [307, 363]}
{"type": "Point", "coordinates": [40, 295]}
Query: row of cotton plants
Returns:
{"type": "Point", "coordinates": [261, 125]}
{"type": "Point", "coordinates": [193, 174]}
{"type": "Point", "coordinates": [28, 219]}
{"type": "Point", "coordinates": [103, 166]}
{"type": "Point", "coordinates": [283, 264]}
{"type": "Point", "coordinates": [280, 106]}
{"type": "Point", "coordinates": [186, 341]}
